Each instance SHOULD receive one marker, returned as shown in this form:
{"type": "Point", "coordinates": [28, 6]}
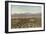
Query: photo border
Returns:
{"type": "Point", "coordinates": [6, 16]}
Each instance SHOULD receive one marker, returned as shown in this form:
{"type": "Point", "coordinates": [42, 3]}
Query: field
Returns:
{"type": "Point", "coordinates": [26, 22]}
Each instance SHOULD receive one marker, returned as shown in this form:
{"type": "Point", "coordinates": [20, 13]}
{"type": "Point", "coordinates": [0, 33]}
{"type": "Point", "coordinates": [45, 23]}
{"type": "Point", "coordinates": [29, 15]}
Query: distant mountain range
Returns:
{"type": "Point", "coordinates": [26, 14]}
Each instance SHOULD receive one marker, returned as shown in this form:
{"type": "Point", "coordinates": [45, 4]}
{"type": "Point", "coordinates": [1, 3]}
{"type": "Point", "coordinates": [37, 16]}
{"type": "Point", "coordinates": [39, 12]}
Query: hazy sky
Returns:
{"type": "Point", "coordinates": [25, 9]}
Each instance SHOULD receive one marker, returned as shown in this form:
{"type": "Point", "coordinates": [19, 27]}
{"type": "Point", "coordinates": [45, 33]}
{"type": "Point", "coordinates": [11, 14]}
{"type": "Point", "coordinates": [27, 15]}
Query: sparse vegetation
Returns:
{"type": "Point", "coordinates": [26, 22]}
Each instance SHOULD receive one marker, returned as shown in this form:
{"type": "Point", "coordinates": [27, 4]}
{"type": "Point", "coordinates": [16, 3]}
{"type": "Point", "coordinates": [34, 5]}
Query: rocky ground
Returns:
{"type": "Point", "coordinates": [25, 22]}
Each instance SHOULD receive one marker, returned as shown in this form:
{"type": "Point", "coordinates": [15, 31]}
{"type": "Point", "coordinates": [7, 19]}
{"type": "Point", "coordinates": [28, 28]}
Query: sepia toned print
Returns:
{"type": "Point", "coordinates": [25, 16]}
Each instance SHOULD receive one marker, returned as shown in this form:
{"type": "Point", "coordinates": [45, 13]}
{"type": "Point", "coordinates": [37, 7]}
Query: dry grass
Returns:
{"type": "Point", "coordinates": [25, 22]}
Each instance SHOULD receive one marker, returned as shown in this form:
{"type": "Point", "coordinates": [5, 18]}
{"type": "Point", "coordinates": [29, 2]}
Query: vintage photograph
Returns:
{"type": "Point", "coordinates": [24, 16]}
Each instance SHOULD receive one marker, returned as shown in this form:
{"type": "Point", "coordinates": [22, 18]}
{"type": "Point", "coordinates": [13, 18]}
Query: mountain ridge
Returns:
{"type": "Point", "coordinates": [26, 14]}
